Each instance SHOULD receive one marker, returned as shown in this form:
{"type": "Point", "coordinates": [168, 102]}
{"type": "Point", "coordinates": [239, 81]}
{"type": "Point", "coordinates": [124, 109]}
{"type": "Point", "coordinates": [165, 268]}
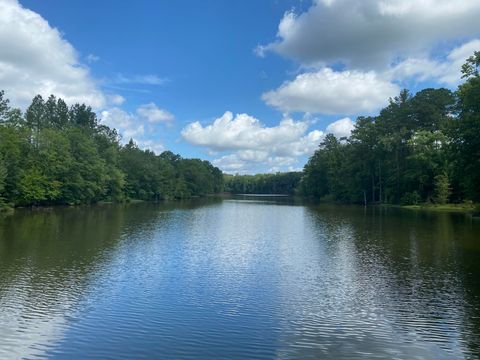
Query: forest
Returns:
{"type": "Point", "coordinates": [55, 154]}
{"type": "Point", "coordinates": [279, 183]}
{"type": "Point", "coordinates": [422, 148]}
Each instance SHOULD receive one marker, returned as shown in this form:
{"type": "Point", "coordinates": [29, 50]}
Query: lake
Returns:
{"type": "Point", "coordinates": [239, 278]}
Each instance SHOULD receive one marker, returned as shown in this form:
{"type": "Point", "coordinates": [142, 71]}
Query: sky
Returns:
{"type": "Point", "coordinates": [252, 86]}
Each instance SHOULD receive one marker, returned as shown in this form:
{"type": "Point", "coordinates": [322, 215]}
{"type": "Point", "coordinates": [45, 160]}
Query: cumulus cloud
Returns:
{"type": "Point", "coordinates": [151, 145]}
{"type": "Point", "coordinates": [372, 33]}
{"type": "Point", "coordinates": [154, 114]}
{"type": "Point", "coordinates": [126, 124]}
{"type": "Point", "coordinates": [341, 128]}
{"type": "Point", "coordinates": [36, 59]}
{"type": "Point", "coordinates": [248, 146]}
{"type": "Point", "coordinates": [138, 126]}
{"type": "Point", "coordinates": [447, 72]}
{"type": "Point", "coordinates": [254, 145]}
{"type": "Point", "coordinates": [378, 44]}
{"type": "Point", "coordinates": [115, 99]}
{"type": "Point", "coordinates": [333, 92]}
{"type": "Point", "coordinates": [242, 162]}
{"type": "Point", "coordinates": [244, 132]}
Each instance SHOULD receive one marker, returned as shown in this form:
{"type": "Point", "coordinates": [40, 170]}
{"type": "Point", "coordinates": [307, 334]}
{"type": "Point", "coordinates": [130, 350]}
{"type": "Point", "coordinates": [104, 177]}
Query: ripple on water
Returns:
{"type": "Point", "coordinates": [238, 279]}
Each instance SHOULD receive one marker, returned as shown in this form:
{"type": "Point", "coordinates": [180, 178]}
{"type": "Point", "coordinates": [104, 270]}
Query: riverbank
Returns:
{"type": "Point", "coordinates": [463, 208]}
{"type": "Point", "coordinates": [11, 208]}
{"type": "Point", "coordinates": [467, 208]}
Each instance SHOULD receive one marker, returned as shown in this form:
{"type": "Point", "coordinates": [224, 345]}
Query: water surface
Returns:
{"type": "Point", "coordinates": [247, 277]}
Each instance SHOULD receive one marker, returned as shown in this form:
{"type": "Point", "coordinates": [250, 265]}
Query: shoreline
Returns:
{"type": "Point", "coordinates": [466, 208]}
{"type": "Point", "coordinates": [458, 208]}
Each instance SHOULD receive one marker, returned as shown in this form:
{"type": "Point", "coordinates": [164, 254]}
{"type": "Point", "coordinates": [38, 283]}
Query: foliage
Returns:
{"type": "Point", "coordinates": [3, 176]}
{"type": "Point", "coordinates": [279, 183]}
{"type": "Point", "coordinates": [411, 198]}
{"type": "Point", "coordinates": [53, 154]}
{"type": "Point", "coordinates": [35, 188]}
{"type": "Point", "coordinates": [464, 132]}
{"type": "Point", "coordinates": [442, 189]}
{"type": "Point", "coordinates": [419, 148]}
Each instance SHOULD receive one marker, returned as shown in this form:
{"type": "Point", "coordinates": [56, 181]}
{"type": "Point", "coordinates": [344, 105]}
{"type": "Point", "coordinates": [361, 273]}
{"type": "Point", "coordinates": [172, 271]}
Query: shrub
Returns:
{"type": "Point", "coordinates": [411, 198]}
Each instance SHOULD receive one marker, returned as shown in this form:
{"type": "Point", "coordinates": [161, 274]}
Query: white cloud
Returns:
{"type": "Point", "coordinates": [151, 145]}
{"type": "Point", "coordinates": [371, 34]}
{"type": "Point", "coordinates": [148, 79]}
{"type": "Point", "coordinates": [127, 124]}
{"type": "Point", "coordinates": [242, 144]}
{"type": "Point", "coordinates": [381, 44]}
{"type": "Point", "coordinates": [116, 99]}
{"type": "Point", "coordinates": [91, 58]}
{"type": "Point", "coordinates": [36, 59]}
{"type": "Point", "coordinates": [138, 126]}
{"type": "Point", "coordinates": [242, 163]}
{"type": "Point", "coordinates": [254, 145]}
{"type": "Point", "coordinates": [447, 72]}
{"type": "Point", "coordinates": [244, 132]}
{"type": "Point", "coordinates": [154, 114]}
{"type": "Point", "coordinates": [341, 128]}
{"type": "Point", "coordinates": [333, 92]}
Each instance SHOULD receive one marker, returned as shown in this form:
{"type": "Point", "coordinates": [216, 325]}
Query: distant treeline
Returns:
{"type": "Point", "coordinates": [55, 154]}
{"type": "Point", "coordinates": [421, 148]}
{"type": "Point", "coordinates": [279, 183]}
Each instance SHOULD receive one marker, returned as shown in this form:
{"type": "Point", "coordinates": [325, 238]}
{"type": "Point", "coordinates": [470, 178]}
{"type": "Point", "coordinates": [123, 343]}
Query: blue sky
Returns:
{"type": "Point", "coordinates": [252, 86]}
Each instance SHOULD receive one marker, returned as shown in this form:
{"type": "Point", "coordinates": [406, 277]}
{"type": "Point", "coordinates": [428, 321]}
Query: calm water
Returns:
{"type": "Point", "coordinates": [239, 278]}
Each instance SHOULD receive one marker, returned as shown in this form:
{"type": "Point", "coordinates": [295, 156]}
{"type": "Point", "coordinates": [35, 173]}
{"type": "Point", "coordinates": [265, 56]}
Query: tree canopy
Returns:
{"type": "Point", "coordinates": [55, 154]}
{"type": "Point", "coordinates": [279, 183]}
{"type": "Point", "coordinates": [420, 148]}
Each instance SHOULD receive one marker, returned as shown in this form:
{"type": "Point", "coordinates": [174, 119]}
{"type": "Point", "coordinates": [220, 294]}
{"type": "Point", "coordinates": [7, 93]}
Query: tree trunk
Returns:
{"type": "Point", "coordinates": [373, 187]}
{"type": "Point", "coordinates": [397, 161]}
{"type": "Point", "coordinates": [380, 182]}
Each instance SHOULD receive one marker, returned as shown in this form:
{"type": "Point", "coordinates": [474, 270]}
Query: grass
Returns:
{"type": "Point", "coordinates": [5, 209]}
{"type": "Point", "coordinates": [134, 201]}
{"type": "Point", "coordinates": [464, 207]}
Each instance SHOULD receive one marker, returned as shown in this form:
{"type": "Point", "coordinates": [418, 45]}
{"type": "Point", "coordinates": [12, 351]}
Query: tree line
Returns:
{"type": "Point", "coordinates": [279, 183]}
{"type": "Point", "coordinates": [420, 148]}
{"type": "Point", "coordinates": [55, 154]}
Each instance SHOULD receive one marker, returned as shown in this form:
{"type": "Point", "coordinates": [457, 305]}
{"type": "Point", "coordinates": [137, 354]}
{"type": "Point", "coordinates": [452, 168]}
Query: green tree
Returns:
{"type": "Point", "coordinates": [3, 176]}
{"type": "Point", "coordinates": [56, 113]}
{"type": "Point", "coordinates": [368, 161]}
{"type": "Point", "coordinates": [35, 188]}
{"type": "Point", "coordinates": [14, 148]}
{"type": "Point", "coordinates": [83, 116]}
{"type": "Point", "coordinates": [465, 145]}
{"type": "Point", "coordinates": [4, 107]}
{"type": "Point", "coordinates": [442, 189]}
{"type": "Point", "coordinates": [87, 172]}
{"type": "Point", "coordinates": [431, 109]}
{"type": "Point", "coordinates": [53, 154]}
{"type": "Point", "coordinates": [427, 158]}
{"type": "Point", "coordinates": [36, 117]}
{"type": "Point", "coordinates": [324, 172]}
